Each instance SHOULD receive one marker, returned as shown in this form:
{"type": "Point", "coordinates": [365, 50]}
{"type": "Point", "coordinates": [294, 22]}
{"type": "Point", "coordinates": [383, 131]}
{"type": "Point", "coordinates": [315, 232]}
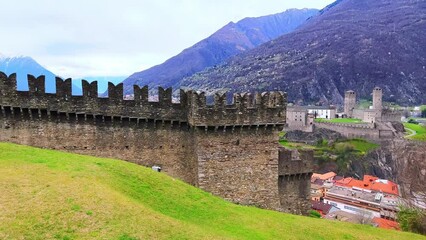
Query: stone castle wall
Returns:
{"type": "Point", "coordinates": [167, 146]}
{"type": "Point", "coordinates": [372, 131]}
{"type": "Point", "coordinates": [367, 131]}
{"type": "Point", "coordinates": [230, 150]}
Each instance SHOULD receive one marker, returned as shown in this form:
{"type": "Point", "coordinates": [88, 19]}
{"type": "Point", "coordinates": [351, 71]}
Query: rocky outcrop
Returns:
{"type": "Point", "coordinates": [403, 161]}
{"type": "Point", "coordinates": [314, 137]}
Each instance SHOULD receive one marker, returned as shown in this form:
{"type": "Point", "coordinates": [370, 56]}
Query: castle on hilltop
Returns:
{"type": "Point", "coordinates": [374, 123]}
{"type": "Point", "coordinates": [377, 113]}
{"type": "Point", "coordinates": [228, 149]}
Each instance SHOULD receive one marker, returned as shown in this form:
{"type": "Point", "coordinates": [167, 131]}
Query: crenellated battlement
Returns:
{"type": "Point", "coordinates": [245, 110]}
{"type": "Point", "coordinates": [294, 162]}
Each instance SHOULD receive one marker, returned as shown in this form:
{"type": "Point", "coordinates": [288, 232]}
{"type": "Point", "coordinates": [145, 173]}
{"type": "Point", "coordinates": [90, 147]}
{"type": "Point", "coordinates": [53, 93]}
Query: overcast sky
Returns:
{"type": "Point", "coordinates": [78, 38]}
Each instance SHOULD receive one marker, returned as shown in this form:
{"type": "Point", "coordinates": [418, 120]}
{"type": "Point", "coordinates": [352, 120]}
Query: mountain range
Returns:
{"type": "Point", "coordinates": [23, 65]}
{"type": "Point", "coordinates": [351, 44]}
{"type": "Point", "coordinates": [230, 40]}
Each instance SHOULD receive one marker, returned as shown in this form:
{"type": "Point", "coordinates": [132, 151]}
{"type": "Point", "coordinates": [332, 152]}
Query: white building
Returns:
{"type": "Point", "coordinates": [322, 112]}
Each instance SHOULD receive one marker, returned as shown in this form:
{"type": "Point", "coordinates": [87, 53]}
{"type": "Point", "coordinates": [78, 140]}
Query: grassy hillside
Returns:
{"type": "Point", "coordinates": [419, 129]}
{"type": "Point", "coordinates": [53, 195]}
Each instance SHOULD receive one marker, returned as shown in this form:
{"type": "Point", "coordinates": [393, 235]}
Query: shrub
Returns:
{"type": "Point", "coordinates": [412, 219]}
{"type": "Point", "coordinates": [314, 214]}
{"type": "Point", "coordinates": [412, 121]}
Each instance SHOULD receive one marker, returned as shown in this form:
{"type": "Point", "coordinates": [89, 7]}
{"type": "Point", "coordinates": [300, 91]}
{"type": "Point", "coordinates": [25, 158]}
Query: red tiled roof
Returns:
{"type": "Point", "coordinates": [324, 176]}
{"type": "Point", "coordinates": [370, 183]}
{"type": "Point", "coordinates": [386, 224]}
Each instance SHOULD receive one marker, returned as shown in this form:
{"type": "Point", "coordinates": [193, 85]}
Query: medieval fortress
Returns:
{"type": "Point", "coordinates": [376, 122]}
{"type": "Point", "coordinates": [230, 150]}
{"type": "Point", "coordinates": [374, 115]}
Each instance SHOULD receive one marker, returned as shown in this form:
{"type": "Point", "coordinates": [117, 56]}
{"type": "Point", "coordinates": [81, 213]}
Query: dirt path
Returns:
{"type": "Point", "coordinates": [413, 133]}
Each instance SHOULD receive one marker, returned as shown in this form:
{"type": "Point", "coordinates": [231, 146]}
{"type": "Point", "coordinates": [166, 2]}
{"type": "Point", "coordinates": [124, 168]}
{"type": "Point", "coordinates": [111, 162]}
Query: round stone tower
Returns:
{"type": "Point", "coordinates": [350, 101]}
{"type": "Point", "coordinates": [377, 98]}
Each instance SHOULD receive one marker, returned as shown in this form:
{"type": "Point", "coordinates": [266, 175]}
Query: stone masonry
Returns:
{"type": "Point", "coordinates": [230, 150]}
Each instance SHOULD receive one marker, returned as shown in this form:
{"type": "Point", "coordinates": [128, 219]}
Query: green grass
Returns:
{"type": "Point", "coordinates": [295, 145]}
{"type": "Point", "coordinates": [419, 129]}
{"type": "Point", "coordinates": [363, 146]}
{"type": "Point", "coordinates": [54, 195]}
{"type": "Point", "coordinates": [339, 120]}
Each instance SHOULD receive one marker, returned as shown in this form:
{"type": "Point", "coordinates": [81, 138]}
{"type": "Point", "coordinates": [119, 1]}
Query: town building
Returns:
{"type": "Point", "coordinates": [355, 200]}
{"type": "Point", "coordinates": [370, 183]}
{"type": "Point", "coordinates": [320, 183]}
{"type": "Point", "coordinates": [325, 177]}
{"type": "Point", "coordinates": [323, 208]}
{"type": "Point", "coordinates": [363, 202]}
{"type": "Point", "coordinates": [322, 112]}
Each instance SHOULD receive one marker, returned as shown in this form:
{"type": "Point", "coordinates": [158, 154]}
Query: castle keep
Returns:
{"type": "Point", "coordinates": [230, 150]}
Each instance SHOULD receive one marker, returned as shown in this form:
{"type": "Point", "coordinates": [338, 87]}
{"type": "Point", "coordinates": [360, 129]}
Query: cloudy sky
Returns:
{"type": "Point", "coordinates": [116, 38]}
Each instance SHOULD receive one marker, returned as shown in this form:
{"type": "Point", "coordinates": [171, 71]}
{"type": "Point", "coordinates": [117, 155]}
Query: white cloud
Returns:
{"type": "Point", "coordinates": [104, 37]}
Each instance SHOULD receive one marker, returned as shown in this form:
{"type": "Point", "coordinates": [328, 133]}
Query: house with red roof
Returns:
{"type": "Point", "coordinates": [323, 208]}
{"type": "Point", "coordinates": [386, 224]}
{"type": "Point", "coordinates": [370, 183]}
{"type": "Point", "coordinates": [324, 177]}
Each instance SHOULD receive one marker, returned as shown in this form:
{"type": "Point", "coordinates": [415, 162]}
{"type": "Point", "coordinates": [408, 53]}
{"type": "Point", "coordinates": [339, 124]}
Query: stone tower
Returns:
{"type": "Point", "coordinates": [295, 168]}
{"type": "Point", "coordinates": [377, 98]}
{"type": "Point", "coordinates": [350, 101]}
